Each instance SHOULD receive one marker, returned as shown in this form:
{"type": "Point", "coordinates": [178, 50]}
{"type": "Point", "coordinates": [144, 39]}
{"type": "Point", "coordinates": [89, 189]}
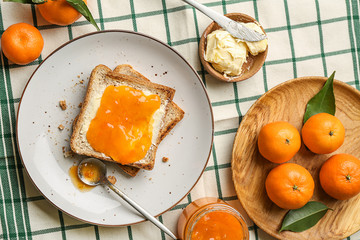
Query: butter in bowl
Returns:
{"type": "Point", "coordinates": [230, 59]}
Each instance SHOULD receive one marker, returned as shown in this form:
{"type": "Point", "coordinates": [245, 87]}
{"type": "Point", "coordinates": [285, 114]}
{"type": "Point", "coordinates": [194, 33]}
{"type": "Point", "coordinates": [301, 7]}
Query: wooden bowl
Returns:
{"type": "Point", "coordinates": [287, 102]}
{"type": "Point", "coordinates": [253, 64]}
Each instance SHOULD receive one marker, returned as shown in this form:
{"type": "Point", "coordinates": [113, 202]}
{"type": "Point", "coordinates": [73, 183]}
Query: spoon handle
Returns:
{"type": "Point", "coordinates": [140, 209]}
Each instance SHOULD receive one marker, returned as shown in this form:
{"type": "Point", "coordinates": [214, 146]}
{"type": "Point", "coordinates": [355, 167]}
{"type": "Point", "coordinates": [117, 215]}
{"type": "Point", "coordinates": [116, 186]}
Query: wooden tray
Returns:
{"type": "Point", "coordinates": [287, 102]}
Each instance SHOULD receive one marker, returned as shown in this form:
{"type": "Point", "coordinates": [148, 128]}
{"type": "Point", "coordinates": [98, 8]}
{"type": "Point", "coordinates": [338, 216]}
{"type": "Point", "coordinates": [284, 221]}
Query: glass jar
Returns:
{"type": "Point", "coordinates": [210, 218]}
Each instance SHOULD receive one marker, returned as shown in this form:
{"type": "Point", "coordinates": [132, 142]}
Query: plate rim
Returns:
{"type": "Point", "coordinates": [305, 78]}
{"type": "Point", "coordinates": [144, 36]}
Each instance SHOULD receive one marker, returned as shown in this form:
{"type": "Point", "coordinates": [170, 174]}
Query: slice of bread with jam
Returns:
{"type": "Point", "coordinates": [165, 117]}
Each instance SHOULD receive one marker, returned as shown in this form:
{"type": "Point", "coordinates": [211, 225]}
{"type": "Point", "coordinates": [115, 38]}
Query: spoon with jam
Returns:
{"type": "Point", "coordinates": [92, 172]}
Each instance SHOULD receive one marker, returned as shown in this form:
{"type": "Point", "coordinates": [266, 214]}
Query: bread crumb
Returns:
{"type": "Point", "coordinates": [112, 179]}
{"type": "Point", "coordinates": [67, 153]}
{"type": "Point", "coordinates": [63, 105]}
{"type": "Point", "coordinates": [61, 127]}
{"type": "Point", "coordinates": [165, 159]}
{"type": "Point", "coordinates": [80, 105]}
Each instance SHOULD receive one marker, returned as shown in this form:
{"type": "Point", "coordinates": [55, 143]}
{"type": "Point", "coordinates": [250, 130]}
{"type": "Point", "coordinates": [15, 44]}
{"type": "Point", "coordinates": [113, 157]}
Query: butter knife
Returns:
{"type": "Point", "coordinates": [236, 29]}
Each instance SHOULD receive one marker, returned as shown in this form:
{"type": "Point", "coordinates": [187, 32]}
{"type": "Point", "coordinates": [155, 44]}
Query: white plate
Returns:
{"type": "Point", "coordinates": [40, 141]}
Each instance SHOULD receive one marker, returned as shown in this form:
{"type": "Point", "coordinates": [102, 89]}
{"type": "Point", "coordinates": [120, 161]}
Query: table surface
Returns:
{"type": "Point", "coordinates": [306, 38]}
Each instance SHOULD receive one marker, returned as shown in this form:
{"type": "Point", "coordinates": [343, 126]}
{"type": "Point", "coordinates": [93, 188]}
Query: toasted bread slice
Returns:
{"type": "Point", "coordinates": [100, 78]}
{"type": "Point", "coordinates": [174, 113]}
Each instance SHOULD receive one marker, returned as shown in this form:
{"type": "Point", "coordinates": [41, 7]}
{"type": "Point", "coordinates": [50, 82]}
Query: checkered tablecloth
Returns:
{"type": "Point", "coordinates": [306, 38]}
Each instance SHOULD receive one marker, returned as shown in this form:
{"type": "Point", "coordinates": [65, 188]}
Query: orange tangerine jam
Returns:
{"type": "Point", "coordinates": [76, 180]}
{"type": "Point", "coordinates": [122, 127]}
{"type": "Point", "coordinates": [90, 172]}
{"type": "Point", "coordinates": [211, 218]}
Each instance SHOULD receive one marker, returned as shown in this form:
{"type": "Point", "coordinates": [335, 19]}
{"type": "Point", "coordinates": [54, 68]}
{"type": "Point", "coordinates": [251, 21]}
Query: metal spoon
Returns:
{"type": "Point", "coordinates": [236, 29]}
{"type": "Point", "coordinates": [101, 179]}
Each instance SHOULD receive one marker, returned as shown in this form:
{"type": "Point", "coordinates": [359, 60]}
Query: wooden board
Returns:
{"type": "Point", "coordinates": [287, 102]}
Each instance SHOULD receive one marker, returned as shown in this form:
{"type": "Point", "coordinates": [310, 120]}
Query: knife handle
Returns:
{"type": "Point", "coordinates": [217, 17]}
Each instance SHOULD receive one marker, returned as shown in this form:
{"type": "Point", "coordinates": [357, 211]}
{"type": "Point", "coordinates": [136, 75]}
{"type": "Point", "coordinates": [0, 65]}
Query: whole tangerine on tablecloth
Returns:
{"type": "Point", "coordinates": [22, 43]}
{"type": "Point", "coordinates": [59, 12]}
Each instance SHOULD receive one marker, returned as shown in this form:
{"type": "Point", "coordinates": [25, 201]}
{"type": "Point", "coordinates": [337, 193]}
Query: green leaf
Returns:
{"type": "Point", "coordinates": [26, 1]}
{"type": "Point", "coordinates": [298, 220]}
{"type": "Point", "coordinates": [82, 8]}
{"type": "Point", "coordinates": [323, 101]}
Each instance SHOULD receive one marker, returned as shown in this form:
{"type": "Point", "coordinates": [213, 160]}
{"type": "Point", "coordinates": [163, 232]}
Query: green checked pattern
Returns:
{"type": "Point", "coordinates": [306, 38]}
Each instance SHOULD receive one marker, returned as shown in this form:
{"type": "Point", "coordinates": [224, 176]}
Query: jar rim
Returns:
{"type": "Point", "coordinates": [224, 207]}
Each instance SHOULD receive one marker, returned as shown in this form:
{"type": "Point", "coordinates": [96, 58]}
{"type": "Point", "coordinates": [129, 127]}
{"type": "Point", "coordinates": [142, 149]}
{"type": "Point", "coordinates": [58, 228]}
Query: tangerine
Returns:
{"type": "Point", "coordinates": [59, 12]}
{"type": "Point", "coordinates": [279, 141]}
{"type": "Point", "coordinates": [289, 185]}
{"type": "Point", "coordinates": [340, 176]}
{"type": "Point", "coordinates": [22, 43]}
{"type": "Point", "coordinates": [323, 133]}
